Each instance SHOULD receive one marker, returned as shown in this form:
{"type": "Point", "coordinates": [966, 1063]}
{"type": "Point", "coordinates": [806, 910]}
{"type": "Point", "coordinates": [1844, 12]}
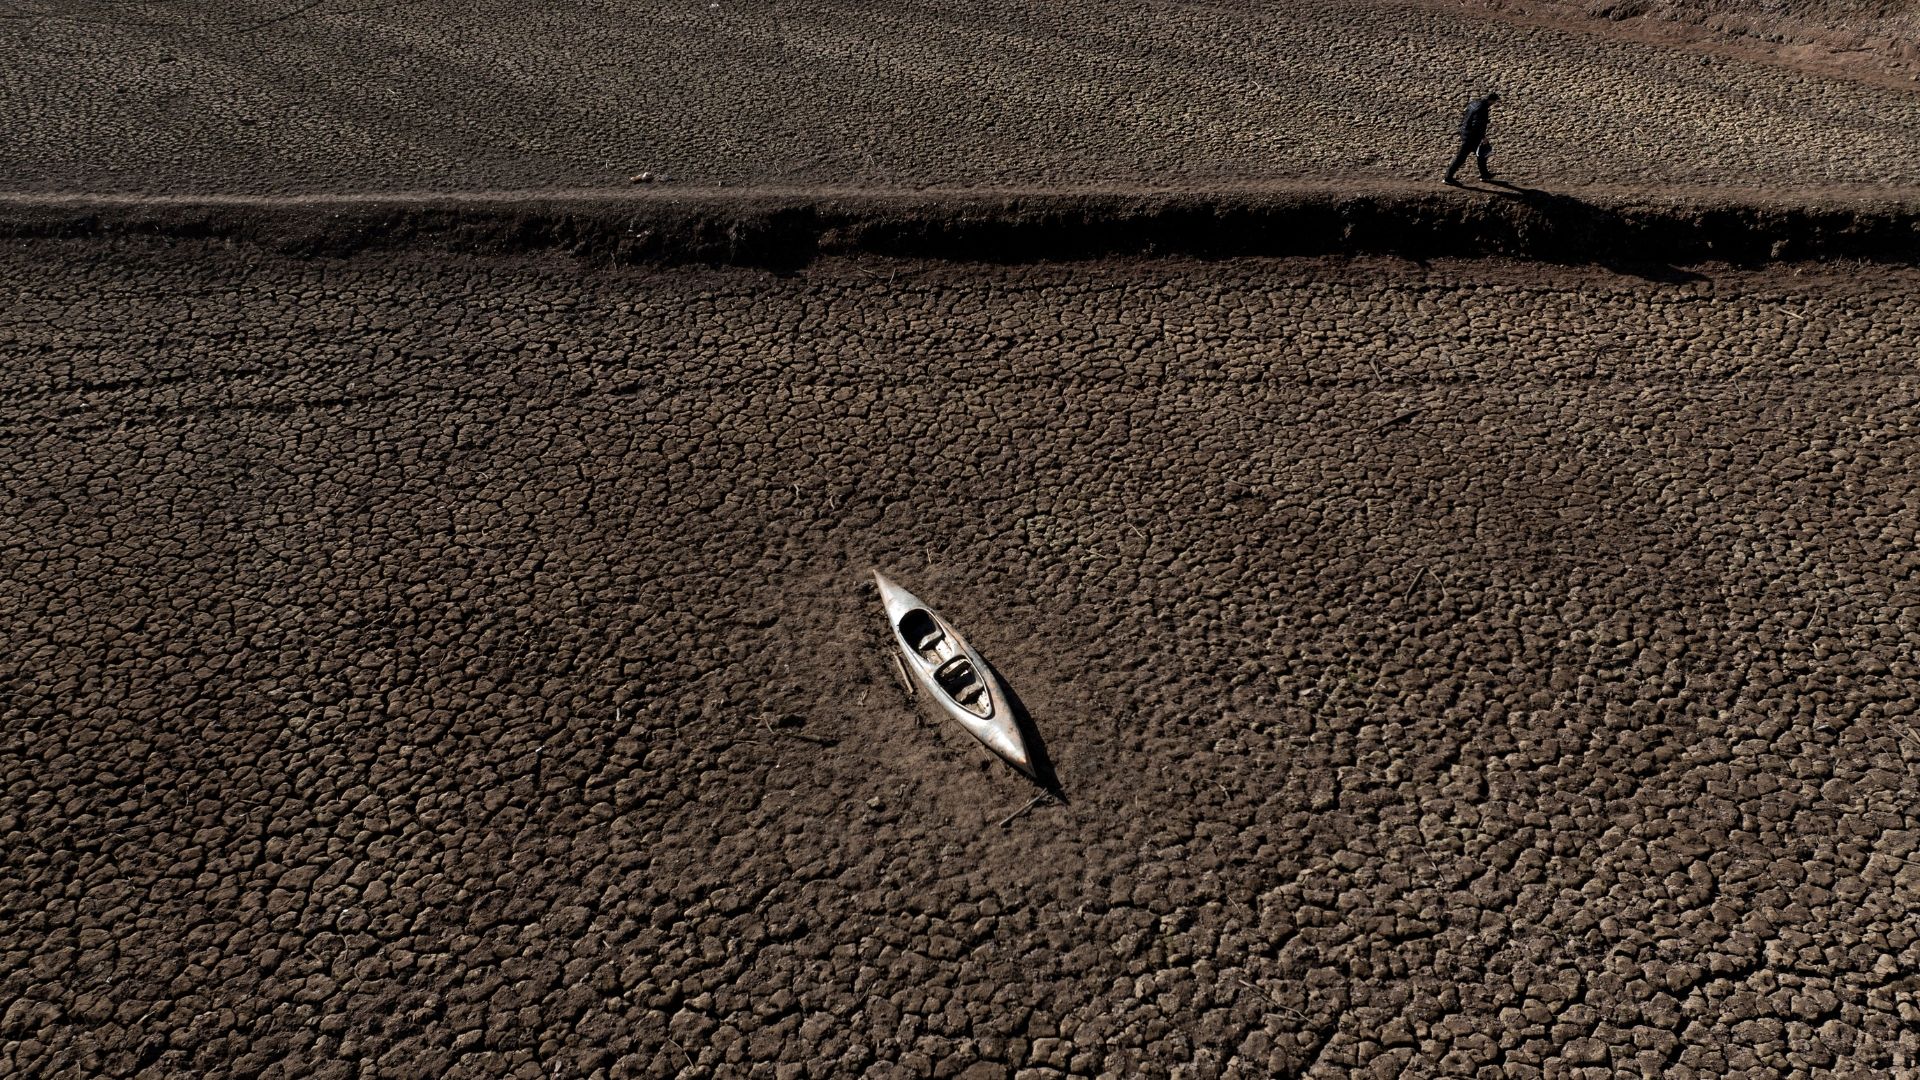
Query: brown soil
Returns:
{"type": "Point", "coordinates": [1876, 41]}
{"type": "Point", "coordinates": [431, 665]}
{"type": "Point", "coordinates": [342, 95]}
{"type": "Point", "coordinates": [434, 638]}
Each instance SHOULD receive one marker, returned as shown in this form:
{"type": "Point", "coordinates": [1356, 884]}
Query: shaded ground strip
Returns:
{"type": "Point", "coordinates": [788, 228]}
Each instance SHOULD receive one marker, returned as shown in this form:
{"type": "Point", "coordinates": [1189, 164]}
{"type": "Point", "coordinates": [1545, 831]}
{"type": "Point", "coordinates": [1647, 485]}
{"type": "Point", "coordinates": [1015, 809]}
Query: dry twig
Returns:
{"type": "Point", "coordinates": [766, 721]}
{"type": "Point", "coordinates": [1031, 803]}
{"type": "Point", "coordinates": [1288, 1009]}
{"type": "Point", "coordinates": [1415, 583]}
{"type": "Point", "coordinates": [1399, 419]}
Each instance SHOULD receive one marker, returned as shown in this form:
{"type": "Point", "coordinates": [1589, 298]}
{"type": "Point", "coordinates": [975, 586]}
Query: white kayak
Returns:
{"type": "Point", "coordinates": [948, 669]}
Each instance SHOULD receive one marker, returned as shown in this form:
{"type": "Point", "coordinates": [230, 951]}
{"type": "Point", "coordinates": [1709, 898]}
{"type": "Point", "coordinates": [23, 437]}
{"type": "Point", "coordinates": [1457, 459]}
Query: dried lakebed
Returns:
{"type": "Point", "coordinates": [424, 666]}
{"type": "Point", "coordinates": [330, 97]}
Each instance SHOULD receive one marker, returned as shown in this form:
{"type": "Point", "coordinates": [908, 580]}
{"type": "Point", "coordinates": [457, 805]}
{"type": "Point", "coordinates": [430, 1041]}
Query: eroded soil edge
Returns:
{"type": "Point", "coordinates": [793, 230]}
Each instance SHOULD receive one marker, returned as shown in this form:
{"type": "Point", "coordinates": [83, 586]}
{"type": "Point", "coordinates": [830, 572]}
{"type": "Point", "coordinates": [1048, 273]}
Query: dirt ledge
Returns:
{"type": "Point", "coordinates": [788, 231]}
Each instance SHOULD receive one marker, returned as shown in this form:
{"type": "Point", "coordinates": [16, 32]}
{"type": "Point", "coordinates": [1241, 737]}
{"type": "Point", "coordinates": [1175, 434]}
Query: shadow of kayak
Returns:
{"type": "Point", "coordinates": [1044, 773]}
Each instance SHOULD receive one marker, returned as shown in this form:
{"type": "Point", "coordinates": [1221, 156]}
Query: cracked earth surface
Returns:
{"type": "Point", "coordinates": [435, 667]}
{"type": "Point", "coordinates": [343, 95]}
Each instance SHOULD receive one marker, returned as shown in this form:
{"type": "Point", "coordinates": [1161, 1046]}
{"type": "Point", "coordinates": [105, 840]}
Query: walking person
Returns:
{"type": "Point", "coordinates": [1473, 137]}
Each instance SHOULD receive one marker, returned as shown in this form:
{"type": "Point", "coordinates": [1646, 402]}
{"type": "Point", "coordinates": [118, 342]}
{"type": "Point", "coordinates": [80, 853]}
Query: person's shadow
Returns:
{"type": "Point", "coordinates": [1568, 229]}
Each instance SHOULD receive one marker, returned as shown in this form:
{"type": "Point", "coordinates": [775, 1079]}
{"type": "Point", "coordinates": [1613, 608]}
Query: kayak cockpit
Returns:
{"type": "Point", "coordinates": [964, 685]}
{"type": "Point", "coordinates": [920, 630]}
{"type": "Point", "coordinates": [945, 661]}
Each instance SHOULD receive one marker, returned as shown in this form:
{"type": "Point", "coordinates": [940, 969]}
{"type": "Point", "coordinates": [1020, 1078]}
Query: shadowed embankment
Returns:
{"type": "Point", "coordinates": [789, 230]}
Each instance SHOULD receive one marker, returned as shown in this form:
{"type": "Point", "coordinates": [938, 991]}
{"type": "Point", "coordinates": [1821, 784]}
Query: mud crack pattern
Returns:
{"type": "Point", "coordinates": [423, 667]}
{"type": "Point", "coordinates": [341, 95]}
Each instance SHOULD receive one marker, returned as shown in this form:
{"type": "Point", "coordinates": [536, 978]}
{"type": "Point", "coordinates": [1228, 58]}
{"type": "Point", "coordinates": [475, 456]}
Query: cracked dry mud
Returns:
{"type": "Point", "coordinates": [345, 95]}
{"type": "Point", "coordinates": [1472, 670]}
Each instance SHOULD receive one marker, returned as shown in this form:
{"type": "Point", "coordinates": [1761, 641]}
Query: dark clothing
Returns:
{"type": "Point", "coordinates": [1473, 137]}
{"type": "Point", "coordinates": [1479, 154]}
{"type": "Point", "coordinates": [1473, 126]}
